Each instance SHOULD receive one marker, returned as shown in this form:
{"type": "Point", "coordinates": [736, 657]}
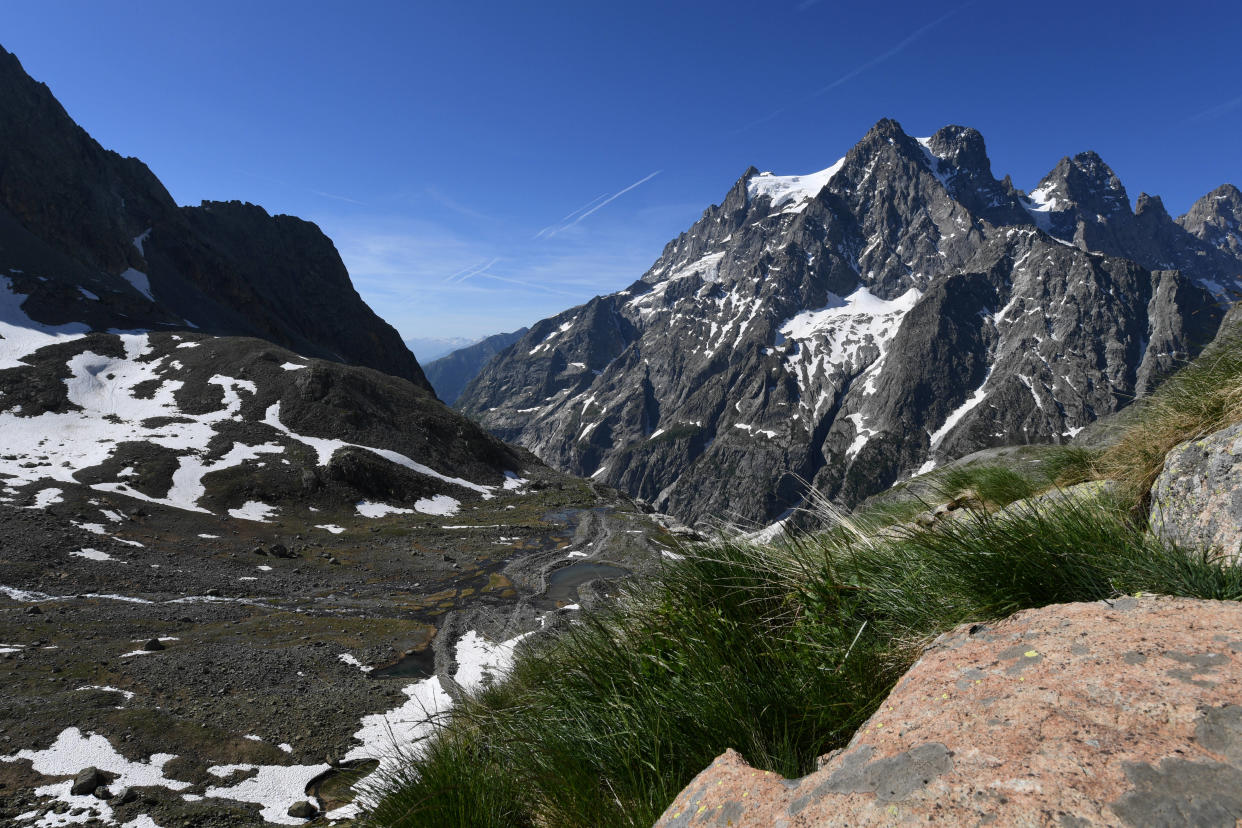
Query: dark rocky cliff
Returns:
{"type": "Point", "coordinates": [91, 236]}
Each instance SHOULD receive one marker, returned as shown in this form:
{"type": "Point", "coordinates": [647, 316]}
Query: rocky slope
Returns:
{"type": "Point", "coordinates": [450, 374]}
{"type": "Point", "coordinates": [239, 534]}
{"type": "Point", "coordinates": [93, 237]}
{"type": "Point", "coordinates": [855, 325]}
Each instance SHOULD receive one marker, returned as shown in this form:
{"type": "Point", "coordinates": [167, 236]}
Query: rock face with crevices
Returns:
{"type": "Point", "coordinates": [1110, 713]}
{"type": "Point", "coordinates": [1197, 500]}
{"type": "Point", "coordinates": [840, 331]}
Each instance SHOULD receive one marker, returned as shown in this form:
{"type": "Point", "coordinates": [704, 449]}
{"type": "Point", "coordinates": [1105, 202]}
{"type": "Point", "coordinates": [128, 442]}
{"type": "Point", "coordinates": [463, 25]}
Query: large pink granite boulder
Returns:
{"type": "Point", "coordinates": [1112, 713]}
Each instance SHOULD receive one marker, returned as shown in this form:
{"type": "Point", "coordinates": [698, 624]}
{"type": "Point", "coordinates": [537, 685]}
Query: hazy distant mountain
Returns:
{"type": "Point", "coordinates": [849, 327]}
{"type": "Point", "coordinates": [450, 374]}
{"type": "Point", "coordinates": [429, 348]}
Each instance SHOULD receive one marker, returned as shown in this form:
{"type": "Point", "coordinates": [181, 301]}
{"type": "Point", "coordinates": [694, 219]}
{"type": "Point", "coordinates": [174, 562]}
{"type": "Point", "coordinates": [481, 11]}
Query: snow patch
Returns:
{"type": "Point", "coordinates": [331, 527]}
{"type": "Point", "coordinates": [139, 280]}
{"type": "Point", "coordinates": [46, 497]}
{"type": "Point", "coordinates": [378, 510]}
{"type": "Point", "coordinates": [1041, 204]}
{"type": "Point", "coordinates": [94, 555]}
{"type": "Point", "coordinates": [354, 662]}
{"type": "Point", "coordinates": [274, 788]}
{"type": "Point", "coordinates": [442, 505]}
{"type": "Point", "coordinates": [796, 190]}
{"type": "Point", "coordinates": [254, 510]}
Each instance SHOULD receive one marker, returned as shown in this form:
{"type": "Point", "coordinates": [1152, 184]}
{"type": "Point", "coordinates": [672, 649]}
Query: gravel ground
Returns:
{"type": "Point", "coordinates": [253, 634]}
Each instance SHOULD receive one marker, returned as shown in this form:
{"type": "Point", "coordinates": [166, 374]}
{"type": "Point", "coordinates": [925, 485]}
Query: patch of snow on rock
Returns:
{"type": "Point", "coordinates": [274, 788]}
{"type": "Point", "coordinates": [366, 508]}
{"type": "Point", "coordinates": [790, 189]}
{"type": "Point", "coordinates": [253, 510]}
{"type": "Point", "coordinates": [442, 505]}
{"type": "Point", "coordinates": [139, 280]}
{"type": "Point", "coordinates": [94, 555]}
{"type": "Point", "coordinates": [331, 527]}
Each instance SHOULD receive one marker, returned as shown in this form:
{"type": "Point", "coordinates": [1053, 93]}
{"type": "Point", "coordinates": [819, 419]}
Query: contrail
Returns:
{"type": "Point", "coordinates": [898, 49]}
{"type": "Point", "coordinates": [604, 203]}
{"type": "Point", "coordinates": [572, 213]}
{"type": "Point", "coordinates": [463, 275]}
{"type": "Point", "coordinates": [524, 284]}
{"type": "Point", "coordinates": [858, 70]}
{"type": "Point", "coordinates": [1217, 111]}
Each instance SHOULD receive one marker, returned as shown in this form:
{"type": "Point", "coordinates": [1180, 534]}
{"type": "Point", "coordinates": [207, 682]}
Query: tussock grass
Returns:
{"type": "Point", "coordinates": [779, 651]}
{"type": "Point", "coordinates": [1203, 397]}
{"type": "Point", "coordinates": [991, 485]}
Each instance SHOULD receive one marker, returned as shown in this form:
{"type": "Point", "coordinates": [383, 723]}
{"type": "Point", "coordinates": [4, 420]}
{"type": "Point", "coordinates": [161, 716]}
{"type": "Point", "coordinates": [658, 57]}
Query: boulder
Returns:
{"type": "Point", "coordinates": [1126, 712]}
{"type": "Point", "coordinates": [87, 780]}
{"type": "Point", "coordinates": [1197, 500]}
{"type": "Point", "coordinates": [303, 810]}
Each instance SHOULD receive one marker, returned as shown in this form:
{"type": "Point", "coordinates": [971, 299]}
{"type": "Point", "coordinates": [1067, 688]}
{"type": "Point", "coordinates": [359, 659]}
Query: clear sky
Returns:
{"type": "Point", "coordinates": [436, 143]}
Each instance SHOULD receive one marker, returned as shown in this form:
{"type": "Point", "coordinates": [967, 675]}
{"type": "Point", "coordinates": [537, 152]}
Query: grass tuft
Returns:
{"type": "Point", "coordinates": [778, 651]}
{"type": "Point", "coordinates": [1203, 397]}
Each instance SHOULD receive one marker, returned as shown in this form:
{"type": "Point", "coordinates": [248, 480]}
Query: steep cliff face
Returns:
{"type": "Point", "coordinates": [93, 237]}
{"type": "Point", "coordinates": [852, 326]}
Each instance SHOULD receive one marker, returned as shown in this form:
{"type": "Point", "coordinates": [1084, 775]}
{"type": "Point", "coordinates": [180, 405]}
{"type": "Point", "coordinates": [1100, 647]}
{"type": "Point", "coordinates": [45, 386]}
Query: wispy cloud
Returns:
{"type": "Point", "coordinates": [582, 213]}
{"type": "Point", "coordinates": [525, 283]}
{"type": "Point", "coordinates": [892, 52]}
{"type": "Point", "coordinates": [346, 199]}
{"type": "Point", "coordinates": [450, 203]}
{"type": "Point", "coordinates": [1214, 112]}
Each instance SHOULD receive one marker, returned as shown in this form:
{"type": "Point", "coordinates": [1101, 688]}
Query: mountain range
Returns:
{"type": "Point", "coordinates": [839, 331]}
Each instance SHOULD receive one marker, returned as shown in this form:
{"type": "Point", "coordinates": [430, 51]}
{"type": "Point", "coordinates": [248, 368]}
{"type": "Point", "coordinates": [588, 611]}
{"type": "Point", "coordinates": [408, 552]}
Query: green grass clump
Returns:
{"type": "Point", "coordinates": [778, 651]}
{"type": "Point", "coordinates": [1203, 397]}
{"type": "Point", "coordinates": [992, 485]}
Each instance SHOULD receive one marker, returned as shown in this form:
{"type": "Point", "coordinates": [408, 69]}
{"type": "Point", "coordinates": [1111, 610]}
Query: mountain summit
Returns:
{"type": "Point", "coordinates": [856, 325]}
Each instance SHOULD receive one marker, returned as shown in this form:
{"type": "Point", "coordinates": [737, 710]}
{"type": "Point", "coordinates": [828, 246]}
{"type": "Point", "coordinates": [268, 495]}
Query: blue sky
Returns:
{"type": "Point", "coordinates": [434, 142]}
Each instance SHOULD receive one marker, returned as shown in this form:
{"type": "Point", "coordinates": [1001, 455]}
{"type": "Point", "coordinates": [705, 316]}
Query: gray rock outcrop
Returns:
{"type": "Point", "coordinates": [1197, 500]}
{"type": "Point", "coordinates": [1123, 712]}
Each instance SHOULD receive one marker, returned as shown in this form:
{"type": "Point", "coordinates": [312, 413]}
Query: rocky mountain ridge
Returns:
{"type": "Point", "coordinates": [93, 237]}
{"type": "Point", "coordinates": [856, 325]}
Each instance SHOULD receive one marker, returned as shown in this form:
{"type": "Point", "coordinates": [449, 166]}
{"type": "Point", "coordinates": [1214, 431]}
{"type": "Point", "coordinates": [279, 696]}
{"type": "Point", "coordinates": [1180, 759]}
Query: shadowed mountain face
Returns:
{"type": "Point", "coordinates": [200, 358]}
{"type": "Point", "coordinates": [450, 374]}
{"type": "Point", "coordinates": [852, 326]}
{"type": "Point", "coordinates": [93, 237]}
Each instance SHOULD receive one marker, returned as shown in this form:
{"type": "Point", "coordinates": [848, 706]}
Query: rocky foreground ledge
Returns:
{"type": "Point", "coordinates": [1116, 712]}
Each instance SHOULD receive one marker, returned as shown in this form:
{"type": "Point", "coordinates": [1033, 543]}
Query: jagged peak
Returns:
{"type": "Point", "coordinates": [1224, 200]}
{"type": "Point", "coordinates": [1150, 204]}
{"type": "Point", "coordinates": [885, 128]}
{"type": "Point", "coordinates": [1085, 181]}
{"type": "Point", "coordinates": [960, 146]}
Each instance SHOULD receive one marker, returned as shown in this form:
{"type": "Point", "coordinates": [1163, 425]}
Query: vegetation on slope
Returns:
{"type": "Point", "coordinates": [780, 651]}
{"type": "Point", "coordinates": [1203, 397]}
